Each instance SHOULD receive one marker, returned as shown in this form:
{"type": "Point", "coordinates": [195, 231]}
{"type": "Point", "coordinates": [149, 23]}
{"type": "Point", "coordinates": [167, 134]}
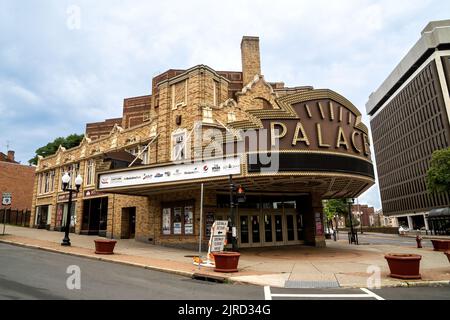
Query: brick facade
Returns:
{"type": "Point", "coordinates": [18, 180]}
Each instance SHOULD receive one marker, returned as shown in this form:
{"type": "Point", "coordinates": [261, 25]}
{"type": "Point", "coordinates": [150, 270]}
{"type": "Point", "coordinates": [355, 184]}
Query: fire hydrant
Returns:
{"type": "Point", "coordinates": [419, 241]}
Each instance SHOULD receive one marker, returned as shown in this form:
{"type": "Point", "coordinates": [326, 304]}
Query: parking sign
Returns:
{"type": "Point", "coordinates": [6, 198]}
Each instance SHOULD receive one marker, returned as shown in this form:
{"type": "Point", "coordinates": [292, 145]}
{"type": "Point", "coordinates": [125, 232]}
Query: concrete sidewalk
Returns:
{"type": "Point", "coordinates": [338, 265]}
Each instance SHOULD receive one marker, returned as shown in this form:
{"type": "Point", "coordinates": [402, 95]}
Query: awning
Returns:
{"type": "Point", "coordinates": [439, 213]}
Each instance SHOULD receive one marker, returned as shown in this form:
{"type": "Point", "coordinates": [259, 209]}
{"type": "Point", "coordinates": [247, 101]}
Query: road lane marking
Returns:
{"type": "Point", "coordinates": [367, 294]}
{"type": "Point", "coordinates": [267, 294]}
{"type": "Point", "coordinates": [321, 295]}
{"type": "Point", "coordinates": [372, 294]}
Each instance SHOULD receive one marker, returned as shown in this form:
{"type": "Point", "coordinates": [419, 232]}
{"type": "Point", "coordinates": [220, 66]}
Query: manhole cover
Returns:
{"type": "Point", "coordinates": [310, 284]}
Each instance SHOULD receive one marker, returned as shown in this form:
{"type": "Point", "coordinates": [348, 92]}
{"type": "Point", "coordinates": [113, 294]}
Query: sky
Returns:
{"type": "Point", "coordinates": [66, 63]}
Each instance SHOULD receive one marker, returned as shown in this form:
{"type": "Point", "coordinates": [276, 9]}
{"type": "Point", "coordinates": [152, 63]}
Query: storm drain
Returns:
{"type": "Point", "coordinates": [208, 278]}
{"type": "Point", "coordinates": [298, 284]}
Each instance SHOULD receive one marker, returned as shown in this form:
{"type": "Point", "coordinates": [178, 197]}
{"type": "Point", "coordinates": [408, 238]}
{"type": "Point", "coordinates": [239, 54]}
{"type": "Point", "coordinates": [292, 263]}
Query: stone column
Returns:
{"type": "Point", "coordinates": [313, 221]}
{"type": "Point", "coordinates": [410, 223]}
{"type": "Point", "coordinates": [426, 222]}
{"type": "Point", "coordinates": [317, 207]}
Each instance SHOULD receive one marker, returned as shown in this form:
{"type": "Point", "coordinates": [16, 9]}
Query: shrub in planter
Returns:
{"type": "Point", "coordinates": [404, 266]}
{"type": "Point", "coordinates": [226, 261]}
{"type": "Point", "coordinates": [104, 246]}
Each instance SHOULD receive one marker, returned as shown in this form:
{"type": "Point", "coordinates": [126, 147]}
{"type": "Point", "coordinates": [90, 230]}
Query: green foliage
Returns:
{"type": "Point", "coordinates": [335, 206]}
{"type": "Point", "coordinates": [438, 175]}
{"type": "Point", "coordinates": [50, 148]}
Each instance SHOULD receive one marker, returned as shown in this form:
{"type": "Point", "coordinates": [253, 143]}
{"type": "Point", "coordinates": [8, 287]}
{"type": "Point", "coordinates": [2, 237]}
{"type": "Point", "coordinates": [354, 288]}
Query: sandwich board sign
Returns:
{"type": "Point", "coordinates": [6, 198]}
{"type": "Point", "coordinates": [216, 243]}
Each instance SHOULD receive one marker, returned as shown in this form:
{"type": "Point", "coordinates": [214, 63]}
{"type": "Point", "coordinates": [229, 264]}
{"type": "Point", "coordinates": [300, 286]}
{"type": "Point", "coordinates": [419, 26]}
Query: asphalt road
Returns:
{"type": "Point", "coordinates": [35, 274]}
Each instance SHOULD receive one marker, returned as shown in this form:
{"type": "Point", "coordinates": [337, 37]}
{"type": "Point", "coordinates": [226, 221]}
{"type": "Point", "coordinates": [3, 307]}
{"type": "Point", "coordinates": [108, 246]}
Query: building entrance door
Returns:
{"type": "Point", "coordinates": [269, 229]}
{"type": "Point", "coordinates": [278, 228]}
{"type": "Point", "coordinates": [128, 223]}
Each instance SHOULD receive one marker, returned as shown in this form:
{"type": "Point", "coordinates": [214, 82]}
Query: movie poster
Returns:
{"type": "Point", "coordinates": [166, 221]}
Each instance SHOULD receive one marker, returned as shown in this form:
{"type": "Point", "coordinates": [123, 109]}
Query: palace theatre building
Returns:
{"type": "Point", "coordinates": [288, 148]}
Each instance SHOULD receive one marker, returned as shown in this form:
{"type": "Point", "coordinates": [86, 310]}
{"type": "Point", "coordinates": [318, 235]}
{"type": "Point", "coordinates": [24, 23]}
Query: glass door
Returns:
{"type": "Point", "coordinates": [268, 229]}
{"type": "Point", "coordinates": [244, 238]}
{"type": "Point", "coordinates": [278, 228]}
{"type": "Point", "coordinates": [290, 228]}
{"type": "Point", "coordinates": [255, 238]}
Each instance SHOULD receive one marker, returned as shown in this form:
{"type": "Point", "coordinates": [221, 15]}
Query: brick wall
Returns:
{"type": "Point", "coordinates": [136, 110]}
{"type": "Point", "coordinates": [97, 130]}
{"type": "Point", "coordinates": [18, 180]}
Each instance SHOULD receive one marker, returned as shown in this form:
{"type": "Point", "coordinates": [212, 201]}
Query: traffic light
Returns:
{"type": "Point", "coordinates": [241, 194]}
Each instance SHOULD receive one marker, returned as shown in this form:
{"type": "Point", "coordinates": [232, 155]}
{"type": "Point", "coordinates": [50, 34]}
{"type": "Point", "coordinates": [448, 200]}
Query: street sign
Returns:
{"type": "Point", "coordinates": [218, 236]}
{"type": "Point", "coordinates": [6, 198]}
{"type": "Point", "coordinates": [216, 243]}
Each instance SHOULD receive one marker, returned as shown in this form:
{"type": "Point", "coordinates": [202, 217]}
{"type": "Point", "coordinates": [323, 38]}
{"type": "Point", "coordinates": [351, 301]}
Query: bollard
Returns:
{"type": "Point", "coordinates": [419, 241]}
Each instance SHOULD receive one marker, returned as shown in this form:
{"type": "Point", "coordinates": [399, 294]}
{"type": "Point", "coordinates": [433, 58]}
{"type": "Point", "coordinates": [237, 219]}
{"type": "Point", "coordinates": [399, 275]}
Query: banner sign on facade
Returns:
{"type": "Point", "coordinates": [205, 169]}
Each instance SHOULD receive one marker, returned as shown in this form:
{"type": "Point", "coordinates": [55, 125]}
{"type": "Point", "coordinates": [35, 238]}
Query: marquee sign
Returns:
{"type": "Point", "coordinates": [204, 169]}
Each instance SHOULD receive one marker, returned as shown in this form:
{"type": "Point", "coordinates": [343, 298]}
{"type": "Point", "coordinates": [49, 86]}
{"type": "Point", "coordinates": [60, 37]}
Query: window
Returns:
{"type": "Point", "coordinates": [46, 182]}
{"type": "Point", "coordinates": [207, 115]}
{"type": "Point", "coordinates": [73, 170]}
{"type": "Point", "coordinates": [144, 155]}
{"type": "Point", "coordinates": [142, 151]}
{"type": "Point", "coordinates": [231, 116]}
{"type": "Point", "coordinates": [178, 218]}
{"type": "Point", "coordinates": [179, 146]}
{"type": "Point", "coordinates": [90, 172]}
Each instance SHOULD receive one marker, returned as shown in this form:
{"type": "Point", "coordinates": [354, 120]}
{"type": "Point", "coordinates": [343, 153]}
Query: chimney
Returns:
{"type": "Point", "coordinates": [251, 64]}
{"type": "Point", "coordinates": [10, 156]}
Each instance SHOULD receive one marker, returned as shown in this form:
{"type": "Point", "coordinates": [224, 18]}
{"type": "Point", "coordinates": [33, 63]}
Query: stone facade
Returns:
{"type": "Point", "coordinates": [152, 127]}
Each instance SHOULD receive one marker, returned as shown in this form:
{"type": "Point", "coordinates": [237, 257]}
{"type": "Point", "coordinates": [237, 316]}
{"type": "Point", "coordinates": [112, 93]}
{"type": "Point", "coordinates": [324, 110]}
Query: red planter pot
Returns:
{"type": "Point", "coordinates": [226, 261]}
{"type": "Point", "coordinates": [103, 246]}
{"type": "Point", "coordinates": [404, 266]}
{"type": "Point", "coordinates": [441, 245]}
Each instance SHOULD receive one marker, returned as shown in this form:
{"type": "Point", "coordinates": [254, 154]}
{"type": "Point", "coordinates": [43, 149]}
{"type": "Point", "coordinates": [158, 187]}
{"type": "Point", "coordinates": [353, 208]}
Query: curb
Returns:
{"type": "Point", "coordinates": [30, 246]}
{"type": "Point", "coordinates": [210, 277]}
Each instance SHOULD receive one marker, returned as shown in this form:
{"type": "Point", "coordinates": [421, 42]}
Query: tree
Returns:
{"type": "Point", "coordinates": [335, 206]}
{"type": "Point", "coordinates": [438, 175]}
{"type": "Point", "coordinates": [50, 148]}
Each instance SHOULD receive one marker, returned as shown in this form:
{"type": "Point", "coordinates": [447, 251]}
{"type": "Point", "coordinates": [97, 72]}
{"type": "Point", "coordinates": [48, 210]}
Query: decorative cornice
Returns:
{"type": "Point", "coordinates": [286, 110]}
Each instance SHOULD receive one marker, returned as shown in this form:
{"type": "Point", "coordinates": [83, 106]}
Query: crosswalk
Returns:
{"type": "Point", "coordinates": [306, 294]}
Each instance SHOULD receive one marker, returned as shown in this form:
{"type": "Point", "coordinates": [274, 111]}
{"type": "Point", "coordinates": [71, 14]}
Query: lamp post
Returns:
{"type": "Point", "coordinates": [65, 181]}
{"type": "Point", "coordinates": [353, 237]}
{"type": "Point", "coordinates": [240, 198]}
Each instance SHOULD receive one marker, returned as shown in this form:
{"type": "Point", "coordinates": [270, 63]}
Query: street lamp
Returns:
{"type": "Point", "coordinates": [240, 198]}
{"type": "Point", "coordinates": [352, 237]}
{"type": "Point", "coordinates": [65, 181]}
